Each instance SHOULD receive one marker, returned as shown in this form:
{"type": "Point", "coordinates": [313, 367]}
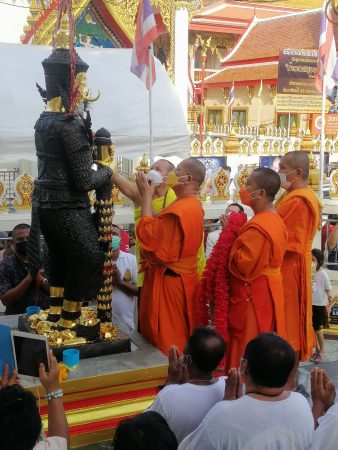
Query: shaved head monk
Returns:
{"type": "Point", "coordinates": [256, 302]}
{"type": "Point", "coordinates": [162, 197]}
{"type": "Point", "coordinates": [170, 243]}
{"type": "Point", "coordinates": [300, 211]}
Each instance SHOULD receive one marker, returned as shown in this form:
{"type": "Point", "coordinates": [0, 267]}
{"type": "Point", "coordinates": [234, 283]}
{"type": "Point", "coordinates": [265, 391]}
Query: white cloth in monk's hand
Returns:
{"type": "Point", "coordinates": [52, 443]}
{"type": "Point", "coordinates": [211, 241]}
{"type": "Point", "coordinates": [251, 424]}
{"type": "Point", "coordinates": [326, 435]}
{"type": "Point", "coordinates": [184, 406]}
{"type": "Point", "coordinates": [124, 305]}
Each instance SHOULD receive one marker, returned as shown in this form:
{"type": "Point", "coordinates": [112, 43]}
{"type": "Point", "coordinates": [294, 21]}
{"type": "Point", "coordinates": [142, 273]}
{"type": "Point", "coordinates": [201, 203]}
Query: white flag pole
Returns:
{"type": "Point", "coordinates": [322, 142]}
{"type": "Point", "coordinates": [150, 73]}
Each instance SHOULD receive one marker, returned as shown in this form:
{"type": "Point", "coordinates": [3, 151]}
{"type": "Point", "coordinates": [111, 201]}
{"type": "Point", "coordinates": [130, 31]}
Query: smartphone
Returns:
{"type": "Point", "coordinates": [29, 351]}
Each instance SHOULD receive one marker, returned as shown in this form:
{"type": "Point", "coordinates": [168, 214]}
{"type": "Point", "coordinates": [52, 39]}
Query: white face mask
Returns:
{"type": "Point", "coordinates": [283, 179]}
{"type": "Point", "coordinates": [155, 177]}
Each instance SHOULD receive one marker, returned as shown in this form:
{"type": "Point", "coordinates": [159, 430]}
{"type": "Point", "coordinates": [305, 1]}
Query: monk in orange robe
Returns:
{"type": "Point", "coordinates": [256, 302]}
{"type": "Point", "coordinates": [300, 211]}
{"type": "Point", "coordinates": [170, 243]}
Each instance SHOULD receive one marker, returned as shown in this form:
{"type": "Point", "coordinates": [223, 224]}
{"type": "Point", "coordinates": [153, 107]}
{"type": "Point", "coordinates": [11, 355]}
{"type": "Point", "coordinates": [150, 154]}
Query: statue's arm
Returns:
{"type": "Point", "coordinates": [80, 158]}
{"type": "Point", "coordinates": [85, 178]}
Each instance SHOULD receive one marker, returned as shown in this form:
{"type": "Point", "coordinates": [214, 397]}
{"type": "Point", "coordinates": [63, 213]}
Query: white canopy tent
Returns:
{"type": "Point", "coordinates": [122, 108]}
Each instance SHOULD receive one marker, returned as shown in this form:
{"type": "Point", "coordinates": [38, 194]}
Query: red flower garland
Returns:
{"type": "Point", "coordinates": [212, 306]}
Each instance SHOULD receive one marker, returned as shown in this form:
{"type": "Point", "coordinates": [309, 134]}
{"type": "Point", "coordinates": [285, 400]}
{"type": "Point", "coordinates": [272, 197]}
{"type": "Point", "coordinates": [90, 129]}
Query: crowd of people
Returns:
{"type": "Point", "coordinates": [270, 318]}
{"type": "Point", "coordinates": [248, 409]}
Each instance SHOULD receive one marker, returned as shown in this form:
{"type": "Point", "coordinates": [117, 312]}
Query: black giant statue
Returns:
{"type": "Point", "coordinates": [61, 206]}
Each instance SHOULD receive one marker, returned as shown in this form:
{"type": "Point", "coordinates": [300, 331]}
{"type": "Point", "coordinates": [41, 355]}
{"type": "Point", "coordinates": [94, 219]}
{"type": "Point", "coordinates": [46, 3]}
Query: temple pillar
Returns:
{"type": "Point", "coordinates": [181, 53]}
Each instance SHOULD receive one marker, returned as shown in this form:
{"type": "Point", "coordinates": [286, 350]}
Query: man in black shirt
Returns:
{"type": "Point", "coordinates": [17, 288]}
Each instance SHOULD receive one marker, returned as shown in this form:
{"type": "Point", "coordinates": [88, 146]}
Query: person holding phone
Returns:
{"type": "Point", "coordinates": [20, 425]}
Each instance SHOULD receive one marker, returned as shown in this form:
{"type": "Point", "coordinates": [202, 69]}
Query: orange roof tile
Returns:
{"type": "Point", "coordinates": [264, 38]}
{"type": "Point", "coordinates": [263, 71]}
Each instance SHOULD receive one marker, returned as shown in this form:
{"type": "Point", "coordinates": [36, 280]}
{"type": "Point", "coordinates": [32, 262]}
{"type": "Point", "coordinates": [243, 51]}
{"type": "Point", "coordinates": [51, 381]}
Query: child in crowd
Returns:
{"type": "Point", "coordinates": [321, 295]}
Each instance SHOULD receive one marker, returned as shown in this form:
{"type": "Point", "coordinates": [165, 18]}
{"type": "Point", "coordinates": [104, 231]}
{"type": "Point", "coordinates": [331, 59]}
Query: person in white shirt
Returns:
{"type": "Point", "coordinates": [191, 390]}
{"type": "Point", "coordinates": [267, 417]}
{"type": "Point", "coordinates": [324, 410]}
{"type": "Point", "coordinates": [20, 425]}
{"type": "Point", "coordinates": [321, 295]}
{"type": "Point", "coordinates": [125, 291]}
{"type": "Point", "coordinates": [213, 236]}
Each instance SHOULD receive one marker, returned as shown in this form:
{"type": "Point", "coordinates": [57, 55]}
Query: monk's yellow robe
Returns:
{"type": "Point", "coordinates": [300, 211]}
{"type": "Point", "coordinates": [170, 243]}
{"type": "Point", "coordinates": [256, 301]}
{"type": "Point", "coordinates": [158, 204]}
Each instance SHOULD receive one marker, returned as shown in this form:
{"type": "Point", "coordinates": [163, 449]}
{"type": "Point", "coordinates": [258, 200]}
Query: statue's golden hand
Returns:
{"type": "Point", "coordinates": [109, 162]}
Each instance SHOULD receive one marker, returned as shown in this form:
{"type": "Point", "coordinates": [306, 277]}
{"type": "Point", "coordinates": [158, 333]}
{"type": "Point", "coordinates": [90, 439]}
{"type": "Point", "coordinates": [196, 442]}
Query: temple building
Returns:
{"type": "Point", "coordinates": [207, 37]}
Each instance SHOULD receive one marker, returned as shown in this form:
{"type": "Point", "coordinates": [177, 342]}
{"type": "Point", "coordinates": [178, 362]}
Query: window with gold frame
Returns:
{"type": "Point", "coordinates": [283, 120]}
{"type": "Point", "coordinates": [214, 115]}
{"type": "Point", "coordinates": [240, 116]}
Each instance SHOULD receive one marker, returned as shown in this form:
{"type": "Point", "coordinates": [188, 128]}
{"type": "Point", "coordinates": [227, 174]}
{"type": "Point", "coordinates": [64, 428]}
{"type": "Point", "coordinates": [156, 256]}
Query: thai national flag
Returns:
{"type": "Point", "coordinates": [231, 97]}
{"type": "Point", "coordinates": [146, 33]}
{"type": "Point", "coordinates": [327, 57]}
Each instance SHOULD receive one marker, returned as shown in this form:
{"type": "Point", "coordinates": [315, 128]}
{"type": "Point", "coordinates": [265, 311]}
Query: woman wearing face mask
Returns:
{"type": "Point", "coordinates": [17, 288]}
{"type": "Point", "coordinates": [300, 210]}
{"type": "Point", "coordinates": [256, 302]}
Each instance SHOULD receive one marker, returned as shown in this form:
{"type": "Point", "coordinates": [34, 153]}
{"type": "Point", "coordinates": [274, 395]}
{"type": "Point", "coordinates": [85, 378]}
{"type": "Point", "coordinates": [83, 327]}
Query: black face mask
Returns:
{"type": "Point", "coordinates": [21, 248]}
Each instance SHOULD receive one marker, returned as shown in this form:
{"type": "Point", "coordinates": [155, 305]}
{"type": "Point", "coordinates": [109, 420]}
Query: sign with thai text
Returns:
{"type": "Point", "coordinates": [296, 90]}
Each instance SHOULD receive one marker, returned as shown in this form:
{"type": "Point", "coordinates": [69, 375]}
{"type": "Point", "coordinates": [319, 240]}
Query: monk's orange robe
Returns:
{"type": "Point", "coordinates": [256, 303]}
{"type": "Point", "coordinates": [300, 211]}
{"type": "Point", "coordinates": [170, 243]}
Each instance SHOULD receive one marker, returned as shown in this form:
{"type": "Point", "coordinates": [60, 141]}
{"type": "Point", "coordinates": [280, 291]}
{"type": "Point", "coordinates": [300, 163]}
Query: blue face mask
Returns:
{"type": "Point", "coordinates": [116, 241]}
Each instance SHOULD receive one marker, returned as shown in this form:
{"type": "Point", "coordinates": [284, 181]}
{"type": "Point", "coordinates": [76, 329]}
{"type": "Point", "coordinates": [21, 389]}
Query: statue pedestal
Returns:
{"type": "Point", "coordinates": [90, 349]}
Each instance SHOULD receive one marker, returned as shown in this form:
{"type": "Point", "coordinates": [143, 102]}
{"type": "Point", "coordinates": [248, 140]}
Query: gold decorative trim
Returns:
{"type": "Point", "coordinates": [55, 310]}
{"type": "Point", "coordinates": [113, 383]}
{"type": "Point", "coordinates": [70, 306]}
{"type": "Point", "coordinates": [56, 291]}
{"type": "Point", "coordinates": [105, 411]}
{"type": "Point", "coordinates": [66, 323]}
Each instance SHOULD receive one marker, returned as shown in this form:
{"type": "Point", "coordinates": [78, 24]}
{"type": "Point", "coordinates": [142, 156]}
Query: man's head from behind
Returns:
{"type": "Point", "coordinates": [20, 423]}
{"type": "Point", "coordinates": [147, 431]}
{"type": "Point", "coordinates": [261, 188]}
{"type": "Point", "coordinates": [268, 360]}
{"type": "Point", "coordinates": [294, 168]}
{"type": "Point", "coordinates": [190, 175]}
{"type": "Point", "coordinates": [206, 349]}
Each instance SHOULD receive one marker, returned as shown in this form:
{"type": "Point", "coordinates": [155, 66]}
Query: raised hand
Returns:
{"type": "Point", "coordinates": [177, 373]}
{"type": "Point", "coordinates": [233, 386]}
{"type": "Point", "coordinates": [145, 187]}
{"type": "Point", "coordinates": [7, 380]}
{"type": "Point", "coordinates": [323, 393]}
{"type": "Point", "coordinates": [50, 380]}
